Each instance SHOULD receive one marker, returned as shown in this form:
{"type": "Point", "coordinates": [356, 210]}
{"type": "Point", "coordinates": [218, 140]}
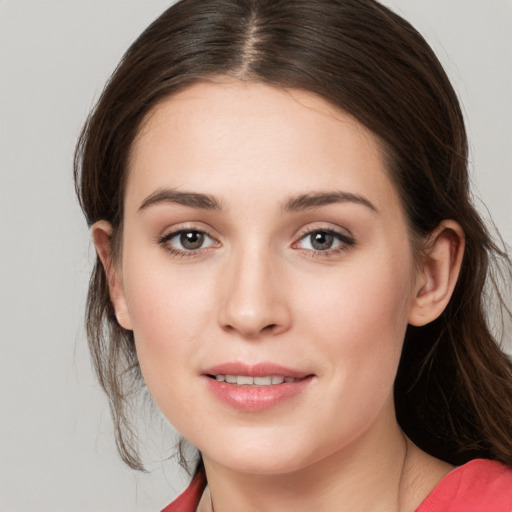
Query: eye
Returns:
{"type": "Point", "coordinates": [324, 240]}
{"type": "Point", "coordinates": [187, 241]}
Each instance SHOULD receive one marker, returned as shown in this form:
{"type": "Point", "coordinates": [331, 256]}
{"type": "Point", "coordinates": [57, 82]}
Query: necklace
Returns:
{"type": "Point", "coordinates": [211, 501]}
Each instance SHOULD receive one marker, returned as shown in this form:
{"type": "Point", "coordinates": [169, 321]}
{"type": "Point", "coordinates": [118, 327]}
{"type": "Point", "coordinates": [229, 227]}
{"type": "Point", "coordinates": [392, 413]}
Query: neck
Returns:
{"type": "Point", "coordinates": [381, 472]}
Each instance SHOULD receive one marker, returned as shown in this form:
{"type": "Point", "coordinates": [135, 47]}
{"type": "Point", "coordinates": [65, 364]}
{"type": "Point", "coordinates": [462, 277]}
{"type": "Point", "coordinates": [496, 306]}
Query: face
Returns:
{"type": "Point", "coordinates": [267, 274]}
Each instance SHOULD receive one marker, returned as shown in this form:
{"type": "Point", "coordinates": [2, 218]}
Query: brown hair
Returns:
{"type": "Point", "coordinates": [453, 389]}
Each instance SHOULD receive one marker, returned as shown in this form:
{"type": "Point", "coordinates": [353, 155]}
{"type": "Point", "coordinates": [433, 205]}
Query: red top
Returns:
{"type": "Point", "coordinates": [478, 486]}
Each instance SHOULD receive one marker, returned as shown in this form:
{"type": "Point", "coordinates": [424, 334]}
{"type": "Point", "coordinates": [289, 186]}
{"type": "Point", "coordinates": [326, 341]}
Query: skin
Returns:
{"type": "Point", "coordinates": [259, 289]}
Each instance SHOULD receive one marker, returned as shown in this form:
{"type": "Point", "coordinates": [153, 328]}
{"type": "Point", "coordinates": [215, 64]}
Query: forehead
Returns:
{"type": "Point", "coordinates": [231, 135]}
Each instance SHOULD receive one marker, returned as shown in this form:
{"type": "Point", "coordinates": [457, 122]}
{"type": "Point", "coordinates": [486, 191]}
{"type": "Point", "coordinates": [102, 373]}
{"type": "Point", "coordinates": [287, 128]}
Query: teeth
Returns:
{"type": "Point", "coordinates": [263, 381]}
{"type": "Point", "coordinates": [244, 380]}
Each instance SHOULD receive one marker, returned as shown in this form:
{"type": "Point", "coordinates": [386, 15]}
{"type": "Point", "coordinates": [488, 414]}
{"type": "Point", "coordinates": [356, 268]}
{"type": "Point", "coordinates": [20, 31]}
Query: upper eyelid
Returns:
{"type": "Point", "coordinates": [173, 231]}
{"type": "Point", "coordinates": [173, 234]}
{"type": "Point", "coordinates": [345, 240]}
{"type": "Point", "coordinates": [342, 232]}
{"type": "Point", "coordinates": [179, 231]}
{"type": "Point", "coordinates": [164, 242]}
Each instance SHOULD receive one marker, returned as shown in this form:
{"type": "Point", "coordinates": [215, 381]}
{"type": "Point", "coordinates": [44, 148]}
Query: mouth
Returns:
{"type": "Point", "coordinates": [246, 380]}
{"type": "Point", "coordinates": [254, 388]}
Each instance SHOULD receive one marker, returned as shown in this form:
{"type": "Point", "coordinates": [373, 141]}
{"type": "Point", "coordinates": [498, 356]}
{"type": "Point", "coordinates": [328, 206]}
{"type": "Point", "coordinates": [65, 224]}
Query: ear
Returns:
{"type": "Point", "coordinates": [102, 238]}
{"type": "Point", "coordinates": [438, 275]}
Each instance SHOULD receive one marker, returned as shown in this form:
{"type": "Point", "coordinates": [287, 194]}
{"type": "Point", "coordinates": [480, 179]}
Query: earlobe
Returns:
{"type": "Point", "coordinates": [102, 238]}
{"type": "Point", "coordinates": [438, 276]}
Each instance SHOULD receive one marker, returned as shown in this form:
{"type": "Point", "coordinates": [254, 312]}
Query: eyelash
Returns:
{"type": "Point", "coordinates": [345, 242]}
{"type": "Point", "coordinates": [184, 253]}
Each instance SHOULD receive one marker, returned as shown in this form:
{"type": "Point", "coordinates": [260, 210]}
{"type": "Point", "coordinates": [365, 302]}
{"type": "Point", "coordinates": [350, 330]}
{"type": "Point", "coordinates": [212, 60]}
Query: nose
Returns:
{"type": "Point", "coordinates": [254, 299]}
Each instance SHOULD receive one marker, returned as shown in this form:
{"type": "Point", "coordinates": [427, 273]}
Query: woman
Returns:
{"type": "Point", "coordinates": [289, 258]}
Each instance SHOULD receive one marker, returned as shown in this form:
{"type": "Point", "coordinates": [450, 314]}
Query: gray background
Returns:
{"type": "Point", "coordinates": [56, 444]}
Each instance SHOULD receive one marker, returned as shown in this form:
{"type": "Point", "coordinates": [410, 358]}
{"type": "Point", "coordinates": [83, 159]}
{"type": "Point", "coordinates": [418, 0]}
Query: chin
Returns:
{"type": "Point", "coordinates": [263, 456]}
{"type": "Point", "coordinates": [258, 464]}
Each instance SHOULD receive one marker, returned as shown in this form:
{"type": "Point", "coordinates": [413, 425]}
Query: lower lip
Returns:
{"type": "Point", "coordinates": [256, 398]}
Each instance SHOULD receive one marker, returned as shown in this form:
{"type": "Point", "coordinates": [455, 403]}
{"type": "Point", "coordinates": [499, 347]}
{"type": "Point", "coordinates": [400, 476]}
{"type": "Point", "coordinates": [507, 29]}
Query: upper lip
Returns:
{"type": "Point", "coordinates": [255, 370]}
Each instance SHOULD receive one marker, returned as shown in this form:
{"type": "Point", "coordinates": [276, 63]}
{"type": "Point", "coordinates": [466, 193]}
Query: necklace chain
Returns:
{"type": "Point", "coordinates": [211, 500]}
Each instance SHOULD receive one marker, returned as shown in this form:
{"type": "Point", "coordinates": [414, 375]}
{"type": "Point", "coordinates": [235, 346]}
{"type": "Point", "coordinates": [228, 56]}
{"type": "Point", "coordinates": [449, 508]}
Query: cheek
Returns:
{"type": "Point", "coordinates": [359, 319]}
{"type": "Point", "coordinates": [369, 294]}
{"type": "Point", "coordinates": [169, 309]}
{"type": "Point", "coordinates": [162, 296]}
{"type": "Point", "coordinates": [165, 323]}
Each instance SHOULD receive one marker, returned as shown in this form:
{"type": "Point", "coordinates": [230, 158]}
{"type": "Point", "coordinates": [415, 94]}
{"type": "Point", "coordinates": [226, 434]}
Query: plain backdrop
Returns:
{"type": "Point", "coordinates": [56, 445]}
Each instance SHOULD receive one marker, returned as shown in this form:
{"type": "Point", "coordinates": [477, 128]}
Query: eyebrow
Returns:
{"type": "Point", "coordinates": [173, 196]}
{"type": "Point", "coordinates": [318, 199]}
{"type": "Point", "coordinates": [294, 204]}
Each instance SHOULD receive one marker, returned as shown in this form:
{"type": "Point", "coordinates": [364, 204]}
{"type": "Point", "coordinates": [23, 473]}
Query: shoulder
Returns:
{"type": "Point", "coordinates": [478, 486]}
{"type": "Point", "coordinates": [188, 500]}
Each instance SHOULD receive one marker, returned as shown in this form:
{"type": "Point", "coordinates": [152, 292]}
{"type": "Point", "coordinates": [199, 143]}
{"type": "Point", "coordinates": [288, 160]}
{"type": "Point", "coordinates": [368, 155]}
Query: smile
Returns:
{"type": "Point", "coordinates": [245, 380]}
{"type": "Point", "coordinates": [255, 387]}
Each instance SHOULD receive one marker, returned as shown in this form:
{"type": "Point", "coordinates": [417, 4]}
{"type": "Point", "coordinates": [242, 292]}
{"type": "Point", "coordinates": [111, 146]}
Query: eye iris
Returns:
{"type": "Point", "coordinates": [192, 239]}
{"type": "Point", "coordinates": [321, 240]}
